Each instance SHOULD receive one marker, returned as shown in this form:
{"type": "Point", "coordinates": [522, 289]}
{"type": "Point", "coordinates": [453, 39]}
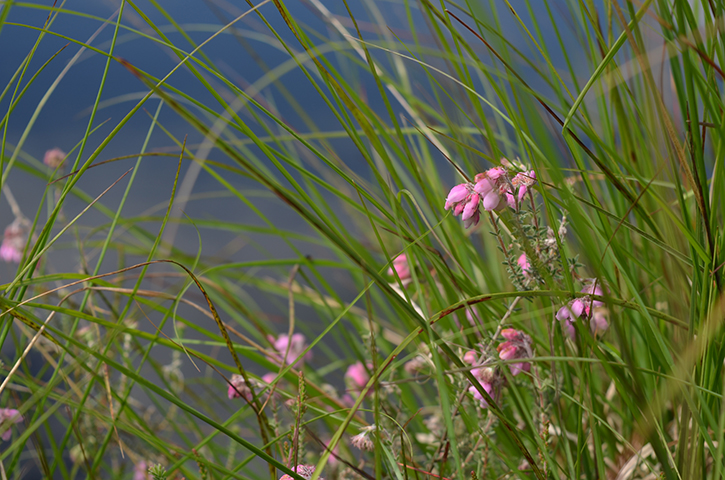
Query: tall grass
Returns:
{"type": "Point", "coordinates": [132, 340]}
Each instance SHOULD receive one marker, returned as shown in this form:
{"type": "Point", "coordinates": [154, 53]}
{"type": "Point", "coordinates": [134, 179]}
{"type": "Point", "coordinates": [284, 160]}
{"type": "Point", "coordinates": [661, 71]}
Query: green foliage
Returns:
{"type": "Point", "coordinates": [158, 472]}
{"type": "Point", "coordinates": [573, 333]}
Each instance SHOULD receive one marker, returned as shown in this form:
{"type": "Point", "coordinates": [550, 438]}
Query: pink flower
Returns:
{"type": "Point", "coordinates": [296, 347]}
{"type": "Point", "coordinates": [594, 288]}
{"type": "Point", "coordinates": [269, 377]}
{"type": "Point", "coordinates": [464, 201]}
{"type": "Point", "coordinates": [569, 329]}
{"type": "Point", "coordinates": [477, 395]}
{"type": "Point", "coordinates": [140, 470]}
{"type": "Point", "coordinates": [526, 180]}
{"type": "Point", "coordinates": [493, 201]}
{"type": "Point", "coordinates": [599, 323]}
{"type": "Point", "coordinates": [470, 357]}
{"type": "Point", "coordinates": [365, 439]}
{"type": "Point", "coordinates": [493, 189]}
{"type": "Point", "coordinates": [457, 195]}
{"type": "Point", "coordinates": [334, 453]}
{"type": "Point", "coordinates": [357, 376]}
{"type": "Point", "coordinates": [578, 307]}
{"type": "Point", "coordinates": [471, 207]}
{"type": "Point", "coordinates": [520, 185]}
{"type": "Point", "coordinates": [400, 264]}
{"type": "Point", "coordinates": [54, 157]}
{"type": "Point", "coordinates": [517, 345]}
{"type": "Point", "coordinates": [238, 388]}
{"type": "Point", "coordinates": [305, 471]}
{"type": "Point", "coordinates": [486, 377]}
{"type": "Point", "coordinates": [511, 201]}
{"type": "Point", "coordinates": [495, 173]}
{"type": "Point", "coordinates": [483, 185]}
{"type": "Point", "coordinates": [14, 239]}
{"type": "Point", "coordinates": [523, 181]}
{"type": "Point", "coordinates": [512, 334]}
{"type": "Point", "coordinates": [525, 265]}
{"type": "Point", "coordinates": [8, 416]}
{"type": "Point", "coordinates": [492, 186]}
{"type": "Point", "coordinates": [564, 313]}
{"type": "Point", "coordinates": [472, 221]}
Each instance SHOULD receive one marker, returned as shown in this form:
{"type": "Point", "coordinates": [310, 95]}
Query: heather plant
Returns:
{"type": "Point", "coordinates": [363, 240]}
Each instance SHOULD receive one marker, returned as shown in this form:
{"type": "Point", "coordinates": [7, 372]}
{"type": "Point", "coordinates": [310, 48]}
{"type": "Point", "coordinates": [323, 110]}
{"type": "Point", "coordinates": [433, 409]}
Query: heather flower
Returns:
{"type": "Point", "coordinates": [334, 453]}
{"type": "Point", "coordinates": [517, 345]}
{"type": "Point", "coordinates": [8, 416]}
{"type": "Point", "coordinates": [357, 376]}
{"type": "Point", "coordinates": [492, 187]}
{"type": "Point", "coordinates": [599, 322]}
{"type": "Point", "coordinates": [470, 357]}
{"type": "Point", "coordinates": [363, 440]}
{"type": "Point", "coordinates": [238, 388]}
{"type": "Point", "coordinates": [486, 376]}
{"type": "Point", "coordinates": [495, 173]}
{"type": "Point", "coordinates": [54, 157]}
{"type": "Point", "coordinates": [594, 288]}
{"type": "Point", "coordinates": [564, 315]}
{"type": "Point", "coordinates": [305, 471]}
{"type": "Point", "coordinates": [296, 347]}
{"type": "Point", "coordinates": [269, 377]}
{"type": "Point", "coordinates": [523, 181]}
{"type": "Point", "coordinates": [464, 201]}
{"type": "Point", "coordinates": [400, 266]}
{"type": "Point", "coordinates": [525, 265]}
{"type": "Point", "coordinates": [14, 239]}
{"type": "Point", "coordinates": [586, 308]}
{"type": "Point", "coordinates": [520, 185]}
{"type": "Point", "coordinates": [457, 194]}
{"type": "Point", "coordinates": [140, 470]}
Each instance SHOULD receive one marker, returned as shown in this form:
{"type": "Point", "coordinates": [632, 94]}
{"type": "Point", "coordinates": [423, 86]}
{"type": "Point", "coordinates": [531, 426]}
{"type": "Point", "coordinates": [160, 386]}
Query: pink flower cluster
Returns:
{"type": "Point", "coordinates": [238, 388]}
{"type": "Point", "coordinates": [485, 375]}
{"type": "Point", "coordinates": [521, 184]}
{"type": "Point", "coordinates": [365, 439]}
{"type": "Point", "coordinates": [305, 471]}
{"type": "Point", "coordinates": [492, 186]}
{"type": "Point", "coordinates": [357, 376]}
{"type": "Point", "coordinates": [585, 308]}
{"type": "Point", "coordinates": [465, 202]}
{"type": "Point", "coordinates": [8, 416]}
{"type": "Point", "coordinates": [492, 189]}
{"type": "Point", "coordinates": [297, 345]}
{"type": "Point", "coordinates": [517, 345]}
{"type": "Point", "coordinates": [54, 157]}
{"type": "Point", "coordinates": [16, 234]}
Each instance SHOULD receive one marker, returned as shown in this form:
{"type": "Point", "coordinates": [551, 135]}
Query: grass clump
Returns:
{"type": "Point", "coordinates": [425, 240]}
